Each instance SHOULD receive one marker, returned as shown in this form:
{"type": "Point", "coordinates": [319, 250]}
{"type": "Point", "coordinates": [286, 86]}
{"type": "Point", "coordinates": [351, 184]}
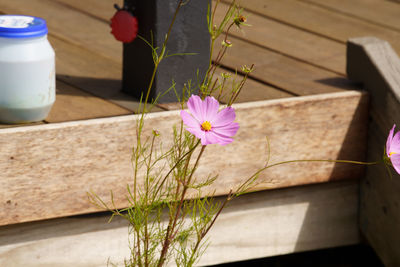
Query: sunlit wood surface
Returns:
{"type": "Point", "coordinates": [297, 46]}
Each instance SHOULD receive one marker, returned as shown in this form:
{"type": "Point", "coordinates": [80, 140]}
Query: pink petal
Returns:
{"type": "Point", "coordinates": [210, 106]}
{"type": "Point", "coordinates": [395, 159]}
{"type": "Point", "coordinates": [395, 144]}
{"type": "Point", "coordinates": [195, 105]}
{"type": "Point", "coordinates": [189, 120]}
{"type": "Point", "coordinates": [196, 131]}
{"type": "Point", "coordinates": [227, 130]}
{"type": "Point", "coordinates": [224, 117]}
{"type": "Point", "coordinates": [210, 138]}
{"type": "Point", "coordinates": [222, 140]}
{"type": "Point", "coordinates": [389, 140]}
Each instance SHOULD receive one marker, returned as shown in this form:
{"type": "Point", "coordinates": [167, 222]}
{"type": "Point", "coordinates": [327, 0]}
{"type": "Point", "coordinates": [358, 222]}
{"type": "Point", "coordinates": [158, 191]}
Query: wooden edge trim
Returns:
{"type": "Point", "coordinates": [47, 170]}
{"type": "Point", "coordinates": [165, 114]}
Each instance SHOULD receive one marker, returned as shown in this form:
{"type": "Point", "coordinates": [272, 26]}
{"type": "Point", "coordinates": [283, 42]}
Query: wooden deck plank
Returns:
{"type": "Point", "coordinates": [310, 80]}
{"type": "Point", "coordinates": [320, 21]}
{"type": "Point", "coordinates": [381, 12]}
{"type": "Point", "coordinates": [102, 9]}
{"type": "Point", "coordinates": [100, 76]}
{"type": "Point", "coordinates": [252, 91]}
{"type": "Point", "coordinates": [263, 31]}
{"type": "Point", "coordinates": [81, 60]}
{"type": "Point", "coordinates": [73, 104]}
{"type": "Point", "coordinates": [288, 220]}
{"type": "Point", "coordinates": [286, 73]}
{"type": "Point", "coordinates": [290, 41]}
{"type": "Point", "coordinates": [81, 30]}
{"type": "Point", "coordinates": [47, 170]}
{"type": "Point", "coordinates": [92, 73]}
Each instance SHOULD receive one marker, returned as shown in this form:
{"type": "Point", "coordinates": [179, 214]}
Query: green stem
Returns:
{"type": "Point", "coordinates": [173, 168]}
{"type": "Point", "coordinates": [168, 237]}
{"type": "Point", "coordinates": [242, 188]}
{"type": "Point", "coordinates": [207, 229]}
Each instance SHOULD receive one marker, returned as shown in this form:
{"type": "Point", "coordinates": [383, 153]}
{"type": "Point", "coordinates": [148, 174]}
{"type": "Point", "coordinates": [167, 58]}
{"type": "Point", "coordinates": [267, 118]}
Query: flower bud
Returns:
{"type": "Point", "coordinates": [226, 43]}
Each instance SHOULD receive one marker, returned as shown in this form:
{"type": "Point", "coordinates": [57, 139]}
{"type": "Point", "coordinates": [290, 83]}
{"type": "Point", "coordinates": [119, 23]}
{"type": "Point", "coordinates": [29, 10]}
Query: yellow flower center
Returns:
{"type": "Point", "coordinates": [206, 126]}
{"type": "Point", "coordinates": [391, 153]}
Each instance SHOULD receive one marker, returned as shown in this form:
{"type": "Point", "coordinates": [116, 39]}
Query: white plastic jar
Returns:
{"type": "Point", "coordinates": [27, 69]}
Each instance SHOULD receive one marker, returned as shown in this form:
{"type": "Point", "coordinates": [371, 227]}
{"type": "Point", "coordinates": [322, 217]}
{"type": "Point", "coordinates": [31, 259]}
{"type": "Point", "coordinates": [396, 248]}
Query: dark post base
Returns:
{"type": "Point", "coordinates": [189, 35]}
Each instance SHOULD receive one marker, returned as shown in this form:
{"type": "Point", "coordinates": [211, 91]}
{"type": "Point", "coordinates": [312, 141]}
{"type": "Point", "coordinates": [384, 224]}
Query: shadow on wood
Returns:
{"type": "Point", "coordinates": [374, 63]}
{"type": "Point", "coordinates": [357, 131]}
{"type": "Point", "coordinates": [87, 241]}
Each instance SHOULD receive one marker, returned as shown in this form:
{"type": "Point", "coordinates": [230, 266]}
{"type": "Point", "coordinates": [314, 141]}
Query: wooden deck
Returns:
{"type": "Point", "coordinates": [298, 48]}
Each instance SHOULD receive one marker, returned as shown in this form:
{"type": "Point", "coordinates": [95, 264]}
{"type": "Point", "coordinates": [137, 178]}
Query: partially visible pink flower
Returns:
{"type": "Point", "coordinates": [207, 123]}
{"type": "Point", "coordinates": [393, 149]}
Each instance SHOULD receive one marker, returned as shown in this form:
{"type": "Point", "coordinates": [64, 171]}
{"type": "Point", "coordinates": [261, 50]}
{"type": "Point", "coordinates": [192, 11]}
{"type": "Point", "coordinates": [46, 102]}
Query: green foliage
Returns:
{"type": "Point", "coordinates": [168, 214]}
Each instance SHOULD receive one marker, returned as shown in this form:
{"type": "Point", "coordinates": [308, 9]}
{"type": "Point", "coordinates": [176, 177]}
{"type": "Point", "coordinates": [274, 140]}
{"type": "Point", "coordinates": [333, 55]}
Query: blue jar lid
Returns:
{"type": "Point", "coordinates": [20, 26]}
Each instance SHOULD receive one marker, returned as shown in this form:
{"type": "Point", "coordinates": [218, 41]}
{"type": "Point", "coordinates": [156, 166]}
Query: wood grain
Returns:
{"type": "Point", "coordinates": [81, 60]}
{"type": "Point", "coordinates": [321, 21]}
{"type": "Point", "coordinates": [263, 32]}
{"type": "Point", "coordinates": [290, 41]}
{"type": "Point", "coordinates": [283, 72]}
{"type": "Point", "coordinates": [101, 9]}
{"type": "Point", "coordinates": [274, 68]}
{"type": "Point", "coordinates": [72, 104]}
{"type": "Point", "coordinates": [47, 170]}
{"type": "Point", "coordinates": [254, 91]}
{"type": "Point", "coordinates": [81, 30]}
{"type": "Point", "coordinates": [383, 13]}
{"type": "Point", "coordinates": [288, 220]}
{"type": "Point", "coordinates": [374, 63]}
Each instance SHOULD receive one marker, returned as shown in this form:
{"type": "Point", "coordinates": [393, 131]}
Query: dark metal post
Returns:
{"type": "Point", "coordinates": [189, 35]}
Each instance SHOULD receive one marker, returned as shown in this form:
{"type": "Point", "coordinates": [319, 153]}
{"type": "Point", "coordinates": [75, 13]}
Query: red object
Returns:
{"type": "Point", "coordinates": [124, 26]}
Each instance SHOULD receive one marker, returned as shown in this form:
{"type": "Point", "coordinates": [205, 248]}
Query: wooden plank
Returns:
{"type": "Point", "coordinates": [252, 91]}
{"type": "Point", "coordinates": [288, 220]}
{"type": "Point", "coordinates": [286, 73]}
{"type": "Point", "coordinates": [263, 32]}
{"type": "Point", "coordinates": [81, 30]}
{"type": "Point", "coordinates": [374, 63]}
{"type": "Point", "coordinates": [101, 9]}
{"type": "Point", "coordinates": [92, 73]}
{"type": "Point", "coordinates": [72, 104]}
{"type": "Point", "coordinates": [47, 170]}
{"type": "Point", "coordinates": [320, 21]}
{"type": "Point", "coordinates": [384, 13]}
{"type": "Point", "coordinates": [290, 41]}
{"type": "Point", "coordinates": [87, 71]}
{"type": "Point", "coordinates": [81, 60]}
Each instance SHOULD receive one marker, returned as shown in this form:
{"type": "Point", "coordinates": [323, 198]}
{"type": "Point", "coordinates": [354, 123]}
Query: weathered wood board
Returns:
{"type": "Point", "coordinates": [383, 13]}
{"type": "Point", "coordinates": [374, 63]}
{"type": "Point", "coordinates": [48, 169]}
{"type": "Point", "coordinates": [288, 220]}
{"type": "Point", "coordinates": [278, 67]}
{"type": "Point", "coordinates": [329, 23]}
{"type": "Point", "coordinates": [280, 37]}
{"type": "Point", "coordinates": [73, 104]}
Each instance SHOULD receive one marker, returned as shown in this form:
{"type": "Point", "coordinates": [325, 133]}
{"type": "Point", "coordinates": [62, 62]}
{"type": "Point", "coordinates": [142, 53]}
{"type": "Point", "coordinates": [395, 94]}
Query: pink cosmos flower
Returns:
{"type": "Point", "coordinates": [207, 123]}
{"type": "Point", "coordinates": [393, 149]}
